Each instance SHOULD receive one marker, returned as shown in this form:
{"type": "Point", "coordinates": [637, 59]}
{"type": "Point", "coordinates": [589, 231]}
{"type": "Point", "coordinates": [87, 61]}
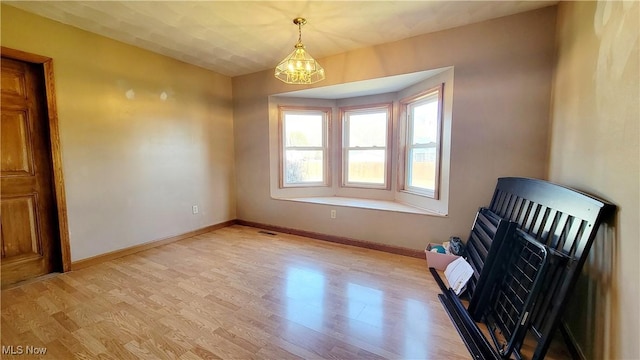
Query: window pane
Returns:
{"type": "Point", "coordinates": [422, 168]}
{"type": "Point", "coordinates": [368, 130]}
{"type": "Point", "coordinates": [303, 130]}
{"type": "Point", "coordinates": [425, 123]}
{"type": "Point", "coordinates": [366, 166]}
{"type": "Point", "coordinates": [302, 166]}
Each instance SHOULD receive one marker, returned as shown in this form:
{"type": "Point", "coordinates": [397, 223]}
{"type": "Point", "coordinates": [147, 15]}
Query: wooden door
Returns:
{"type": "Point", "coordinates": [29, 228]}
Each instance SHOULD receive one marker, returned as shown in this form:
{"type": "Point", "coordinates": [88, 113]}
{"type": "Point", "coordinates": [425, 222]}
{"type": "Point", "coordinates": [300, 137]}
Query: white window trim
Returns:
{"type": "Point", "coordinates": [325, 148]}
{"type": "Point", "coordinates": [406, 143]}
{"type": "Point", "coordinates": [440, 204]}
{"type": "Point", "coordinates": [344, 135]}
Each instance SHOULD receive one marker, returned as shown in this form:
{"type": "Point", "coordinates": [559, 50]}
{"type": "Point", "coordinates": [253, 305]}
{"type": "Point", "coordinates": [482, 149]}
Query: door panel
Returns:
{"type": "Point", "coordinates": [16, 149]}
{"type": "Point", "coordinates": [28, 217]}
{"type": "Point", "coordinates": [13, 82]}
{"type": "Point", "coordinates": [19, 224]}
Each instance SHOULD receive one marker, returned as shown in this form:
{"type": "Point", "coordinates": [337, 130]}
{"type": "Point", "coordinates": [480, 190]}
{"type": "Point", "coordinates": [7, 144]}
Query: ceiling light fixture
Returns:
{"type": "Point", "coordinates": [299, 67]}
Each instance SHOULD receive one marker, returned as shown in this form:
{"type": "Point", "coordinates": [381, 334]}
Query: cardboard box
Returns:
{"type": "Point", "coordinates": [436, 260]}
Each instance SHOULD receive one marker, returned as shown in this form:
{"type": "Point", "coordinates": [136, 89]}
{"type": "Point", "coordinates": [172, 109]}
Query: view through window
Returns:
{"type": "Point", "coordinates": [423, 142]}
{"type": "Point", "coordinates": [365, 138]}
{"type": "Point", "coordinates": [304, 150]}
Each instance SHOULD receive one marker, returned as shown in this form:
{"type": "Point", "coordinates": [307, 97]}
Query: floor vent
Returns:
{"type": "Point", "coordinates": [267, 233]}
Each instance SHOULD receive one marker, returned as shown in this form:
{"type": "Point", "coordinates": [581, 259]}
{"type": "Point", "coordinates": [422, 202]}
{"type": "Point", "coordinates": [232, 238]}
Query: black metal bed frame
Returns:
{"type": "Point", "coordinates": [526, 218]}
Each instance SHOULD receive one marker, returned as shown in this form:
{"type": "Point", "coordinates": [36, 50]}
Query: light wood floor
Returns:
{"type": "Point", "coordinates": [235, 293]}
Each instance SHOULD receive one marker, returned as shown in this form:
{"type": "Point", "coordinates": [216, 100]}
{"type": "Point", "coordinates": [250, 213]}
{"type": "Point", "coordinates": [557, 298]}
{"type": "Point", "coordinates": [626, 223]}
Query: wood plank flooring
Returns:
{"type": "Point", "coordinates": [234, 293]}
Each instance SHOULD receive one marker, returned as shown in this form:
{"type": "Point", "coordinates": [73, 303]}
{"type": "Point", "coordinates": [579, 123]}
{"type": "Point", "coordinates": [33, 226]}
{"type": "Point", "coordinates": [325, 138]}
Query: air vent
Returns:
{"type": "Point", "coordinates": [267, 233]}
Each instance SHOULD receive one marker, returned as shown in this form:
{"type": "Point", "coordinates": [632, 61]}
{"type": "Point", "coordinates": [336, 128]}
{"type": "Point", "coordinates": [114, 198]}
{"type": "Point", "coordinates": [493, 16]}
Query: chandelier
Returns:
{"type": "Point", "coordinates": [299, 67]}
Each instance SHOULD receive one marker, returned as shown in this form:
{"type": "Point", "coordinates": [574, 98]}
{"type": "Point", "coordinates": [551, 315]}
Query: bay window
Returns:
{"type": "Point", "coordinates": [385, 150]}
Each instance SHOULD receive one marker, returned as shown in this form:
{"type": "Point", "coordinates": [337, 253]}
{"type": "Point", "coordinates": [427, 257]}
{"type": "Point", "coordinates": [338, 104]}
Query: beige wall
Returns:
{"type": "Point", "coordinates": [499, 128]}
{"type": "Point", "coordinates": [133, 167]}
{"type": "Point", "coordinates": [595, 147]}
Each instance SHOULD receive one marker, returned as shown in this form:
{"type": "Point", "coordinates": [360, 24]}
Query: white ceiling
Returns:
{"type": "Point", "coordinates": [241, 37]}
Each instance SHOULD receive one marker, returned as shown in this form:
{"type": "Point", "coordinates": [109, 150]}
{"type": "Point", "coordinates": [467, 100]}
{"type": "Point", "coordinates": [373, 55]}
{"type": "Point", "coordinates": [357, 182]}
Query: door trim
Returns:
{"type": "Point", "coordinates": [56, 156]}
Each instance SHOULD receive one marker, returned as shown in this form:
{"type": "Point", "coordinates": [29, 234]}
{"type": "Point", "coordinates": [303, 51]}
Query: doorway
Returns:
{"type": "Point", "coordinates": [33, 221]}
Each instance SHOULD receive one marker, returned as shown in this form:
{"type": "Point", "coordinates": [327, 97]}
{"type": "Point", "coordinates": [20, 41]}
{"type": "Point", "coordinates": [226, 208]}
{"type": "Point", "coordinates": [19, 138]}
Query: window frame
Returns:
{"type": "Point", "coordinates": [406, 133]}
{"type": "Point", "coordinates": [325, 112]}
{"type": "Point", "coordinates": [344, 149]}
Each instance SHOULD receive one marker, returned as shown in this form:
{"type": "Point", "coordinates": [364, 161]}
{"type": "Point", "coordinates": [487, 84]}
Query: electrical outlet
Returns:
{"type": "Point", "coordinates": [194, 209]}
{"type": "Point", "coordinates": [333, 214]}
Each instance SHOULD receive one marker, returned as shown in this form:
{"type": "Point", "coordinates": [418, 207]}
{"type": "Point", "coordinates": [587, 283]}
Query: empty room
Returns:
{"type": "Point", "coordinates": [320, 179]}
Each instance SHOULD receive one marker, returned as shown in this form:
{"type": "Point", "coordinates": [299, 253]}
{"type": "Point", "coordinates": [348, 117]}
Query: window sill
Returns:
{"type": "Point", "coordinates": [381, 205]}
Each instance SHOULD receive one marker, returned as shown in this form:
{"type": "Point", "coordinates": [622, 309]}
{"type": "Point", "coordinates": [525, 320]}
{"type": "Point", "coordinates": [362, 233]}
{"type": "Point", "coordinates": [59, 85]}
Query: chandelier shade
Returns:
{"type": "Point", "coordinates": [299, 67]}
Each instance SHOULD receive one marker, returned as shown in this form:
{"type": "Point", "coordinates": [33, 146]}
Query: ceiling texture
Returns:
{"type": "Point", "coordinates": [241, 37]}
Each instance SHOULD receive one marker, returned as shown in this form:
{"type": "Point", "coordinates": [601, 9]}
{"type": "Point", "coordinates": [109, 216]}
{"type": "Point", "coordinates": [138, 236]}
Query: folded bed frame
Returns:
{"type": "Point", "coordinates": [527, 249]}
